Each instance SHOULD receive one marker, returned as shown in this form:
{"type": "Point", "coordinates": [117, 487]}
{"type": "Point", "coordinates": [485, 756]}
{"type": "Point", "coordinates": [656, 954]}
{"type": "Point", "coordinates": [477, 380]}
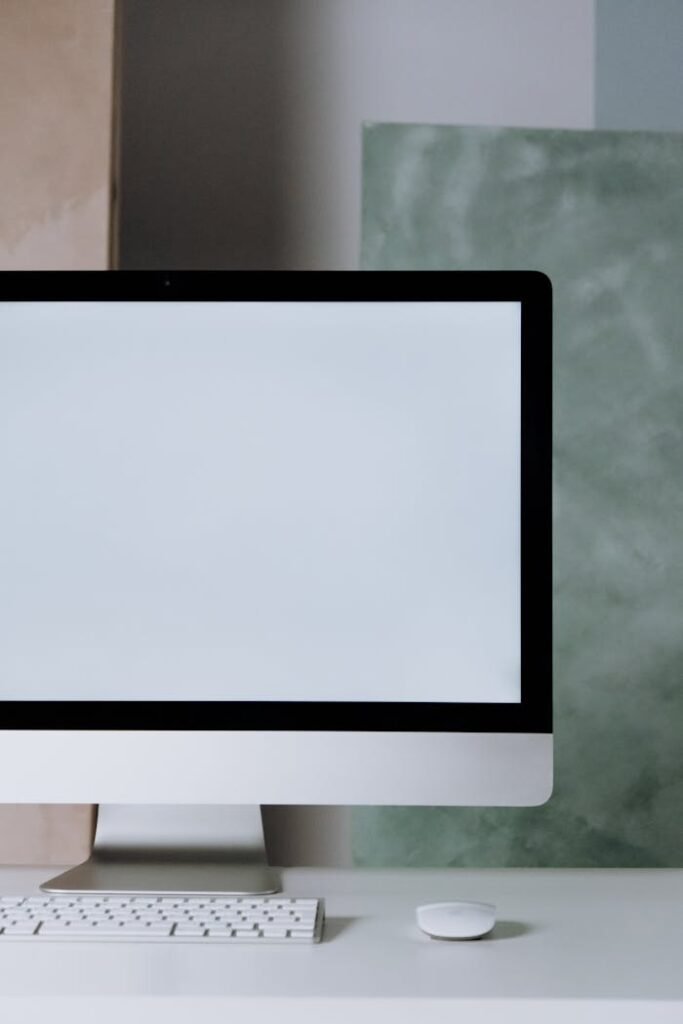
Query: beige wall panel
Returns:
{"type": "Point", "coordinates": [45, 833]}
{"type": "Point", "coordinates": [55, 127]}
{"type": "Point", "coordinates": [56, 71]}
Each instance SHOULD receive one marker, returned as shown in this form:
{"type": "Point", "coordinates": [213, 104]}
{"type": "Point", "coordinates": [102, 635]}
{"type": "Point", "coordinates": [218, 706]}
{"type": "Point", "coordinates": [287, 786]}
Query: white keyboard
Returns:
{"type": "Point", "coordinates": [162, 919]}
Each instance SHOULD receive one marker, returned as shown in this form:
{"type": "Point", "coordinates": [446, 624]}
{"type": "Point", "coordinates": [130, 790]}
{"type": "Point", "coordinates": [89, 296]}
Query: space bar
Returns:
{"type": "Point", "coordinates": [102, 930]}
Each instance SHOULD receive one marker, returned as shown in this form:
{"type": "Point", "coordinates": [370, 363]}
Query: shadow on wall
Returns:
{"type": "Point", "coordinates": [240, 131]}
{"type": "Point", "coordinates": [207, 166]}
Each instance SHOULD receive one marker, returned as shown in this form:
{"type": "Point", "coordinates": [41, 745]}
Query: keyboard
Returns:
{"type": "Point", "coordinates": [162, 919]}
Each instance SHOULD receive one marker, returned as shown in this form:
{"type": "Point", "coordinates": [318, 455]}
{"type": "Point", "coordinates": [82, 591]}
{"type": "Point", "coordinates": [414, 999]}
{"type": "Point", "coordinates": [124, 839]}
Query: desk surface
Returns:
{"type": "Point", "coordinates": [561, 935]}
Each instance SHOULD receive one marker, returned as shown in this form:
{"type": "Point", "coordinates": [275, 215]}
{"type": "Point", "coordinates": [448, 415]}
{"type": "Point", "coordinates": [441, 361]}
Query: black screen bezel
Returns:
{"type": "Point", "coordinates": [533, 714]}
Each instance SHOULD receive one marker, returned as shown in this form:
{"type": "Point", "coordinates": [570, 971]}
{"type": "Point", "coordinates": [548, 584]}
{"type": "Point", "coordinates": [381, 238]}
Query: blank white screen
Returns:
{"type": "Point", "coordinates": [277, 501]}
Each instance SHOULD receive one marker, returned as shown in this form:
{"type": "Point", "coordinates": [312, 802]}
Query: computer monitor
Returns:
{"type": "Point", "coordinates": [270, 538]}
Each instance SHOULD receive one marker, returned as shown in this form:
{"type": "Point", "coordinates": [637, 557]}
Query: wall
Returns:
{"type": "Point", "coordinates": [55, 121]}
{"type": "Point", "coordinates": [619, 566]}
{"type": "Point", "coordinates": [241, 145]}
{"type": "Point", "coordinates": [241, 120]}
{"type": "Point", "coordinates": [242, 141]}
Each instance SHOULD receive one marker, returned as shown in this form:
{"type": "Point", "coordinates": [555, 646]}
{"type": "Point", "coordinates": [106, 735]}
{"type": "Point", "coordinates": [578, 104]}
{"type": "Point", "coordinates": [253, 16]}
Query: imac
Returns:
{"type": "Point", "coordinates": [270, 538]}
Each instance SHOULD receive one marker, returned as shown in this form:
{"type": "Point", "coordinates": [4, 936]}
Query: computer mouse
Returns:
{"type": "Point", "coordinates": [456, 920]}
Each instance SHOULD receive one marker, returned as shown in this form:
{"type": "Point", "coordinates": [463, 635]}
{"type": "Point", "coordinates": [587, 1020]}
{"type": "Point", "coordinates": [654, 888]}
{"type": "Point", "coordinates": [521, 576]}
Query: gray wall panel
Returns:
{"type": "Point", "coordinates": [639, 64]}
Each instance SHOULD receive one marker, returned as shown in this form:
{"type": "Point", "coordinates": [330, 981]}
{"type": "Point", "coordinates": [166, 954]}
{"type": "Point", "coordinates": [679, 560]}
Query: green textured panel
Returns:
{"type": "Point", "coordinates": [602, 214]}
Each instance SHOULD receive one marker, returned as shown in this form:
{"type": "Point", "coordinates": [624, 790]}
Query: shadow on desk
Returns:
{"type": "Point", "coordinates": [501, 930]}
{"type": "Point", "coordinates": [508, 930]}
{"type": "Point", "coordinates": [334, 926]}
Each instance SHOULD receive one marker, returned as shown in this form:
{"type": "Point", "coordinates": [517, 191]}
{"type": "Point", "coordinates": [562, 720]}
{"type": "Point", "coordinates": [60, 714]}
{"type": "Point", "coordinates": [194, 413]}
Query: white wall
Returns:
{"type": "Point", "coordinates": [241, 145]}
{"type": "Point", "coordinates": [242, 119]}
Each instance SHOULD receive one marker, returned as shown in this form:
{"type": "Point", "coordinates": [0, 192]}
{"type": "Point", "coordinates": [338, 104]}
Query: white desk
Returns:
{"type": "Point", "coordinates": [612, 939]}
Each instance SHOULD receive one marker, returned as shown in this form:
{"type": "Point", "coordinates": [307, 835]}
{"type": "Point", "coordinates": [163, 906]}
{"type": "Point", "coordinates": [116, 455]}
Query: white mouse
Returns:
{"type": "Point", "coordinates": [456, 920]}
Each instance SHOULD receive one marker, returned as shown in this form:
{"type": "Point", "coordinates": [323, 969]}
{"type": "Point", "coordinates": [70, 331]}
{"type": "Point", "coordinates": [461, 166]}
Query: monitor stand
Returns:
{"type": "Point", "coordinates": [172, 849]}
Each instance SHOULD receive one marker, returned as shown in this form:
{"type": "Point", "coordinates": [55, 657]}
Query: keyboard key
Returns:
{"type": "Point", "coordinates": [19, 928]}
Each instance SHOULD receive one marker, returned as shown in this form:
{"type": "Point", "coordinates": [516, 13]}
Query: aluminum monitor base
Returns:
{"type": "Point", "coordinates": [173, 850]}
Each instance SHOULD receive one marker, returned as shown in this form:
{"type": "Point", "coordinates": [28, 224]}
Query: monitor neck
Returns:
{"type": "Point", "coordinates": [173, 849]}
